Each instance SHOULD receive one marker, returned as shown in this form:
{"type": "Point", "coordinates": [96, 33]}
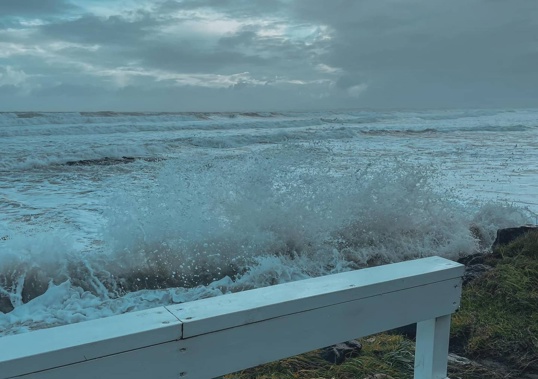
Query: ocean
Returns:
{"type": "Point", "coordinates": [105, 213]}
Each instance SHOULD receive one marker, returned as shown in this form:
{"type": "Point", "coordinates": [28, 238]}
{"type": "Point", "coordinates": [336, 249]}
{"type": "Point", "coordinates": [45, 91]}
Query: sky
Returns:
{"type": "Point", "coordinates": [228, 55]}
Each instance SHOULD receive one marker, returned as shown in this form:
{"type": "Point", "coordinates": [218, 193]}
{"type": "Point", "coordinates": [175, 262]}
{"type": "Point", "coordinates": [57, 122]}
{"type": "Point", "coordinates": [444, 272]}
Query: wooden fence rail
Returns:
{"type": "Point", "coordinates": [207, 338]}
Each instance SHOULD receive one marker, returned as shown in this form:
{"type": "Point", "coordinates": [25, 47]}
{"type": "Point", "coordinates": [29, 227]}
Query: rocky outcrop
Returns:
{"type": "Point", "coordinates": [5, 304]}
{"type": "Point", "coordinates": [475, 264]}
{"type": "Point", "coordinates": [475, 267]}
{"type": "Point", "coordinates": [507, 235]}
{"type": "Point", "coordinates": [338, 353]}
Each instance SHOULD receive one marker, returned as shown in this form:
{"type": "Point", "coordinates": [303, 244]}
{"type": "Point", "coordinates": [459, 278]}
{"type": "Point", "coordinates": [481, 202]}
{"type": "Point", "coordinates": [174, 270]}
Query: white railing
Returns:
{"type": "Point", "coordinates": [211, 337]}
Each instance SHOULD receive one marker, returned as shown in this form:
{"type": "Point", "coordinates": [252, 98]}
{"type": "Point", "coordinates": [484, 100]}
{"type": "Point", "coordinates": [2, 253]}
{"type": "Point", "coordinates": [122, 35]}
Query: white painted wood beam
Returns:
{"type": "Point", "coordinates": [216, 336]}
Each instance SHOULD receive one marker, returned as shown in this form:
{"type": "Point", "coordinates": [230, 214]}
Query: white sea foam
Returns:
{"type": "Point", "coordinates": [224, 202]}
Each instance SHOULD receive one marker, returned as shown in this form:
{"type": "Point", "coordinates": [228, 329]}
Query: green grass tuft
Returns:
{"type": "Point", "coordinates": [498, 319]}
{"type": "Point", "coordinates": [381, 354]}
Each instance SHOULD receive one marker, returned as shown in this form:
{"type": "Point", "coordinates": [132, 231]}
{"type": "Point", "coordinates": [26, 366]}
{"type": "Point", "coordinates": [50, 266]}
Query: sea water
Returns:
{"type": "Point", "coordinates": [105, 213]}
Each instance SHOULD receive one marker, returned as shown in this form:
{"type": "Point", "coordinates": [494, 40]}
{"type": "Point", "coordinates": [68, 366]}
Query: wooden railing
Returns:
{"type": "Point", "coordinates": [207, 338]}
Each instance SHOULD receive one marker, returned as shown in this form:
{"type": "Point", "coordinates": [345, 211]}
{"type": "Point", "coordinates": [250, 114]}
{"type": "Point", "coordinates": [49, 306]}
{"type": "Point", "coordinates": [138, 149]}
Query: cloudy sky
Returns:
{"type": "Point", "coordinates": [219, 55]}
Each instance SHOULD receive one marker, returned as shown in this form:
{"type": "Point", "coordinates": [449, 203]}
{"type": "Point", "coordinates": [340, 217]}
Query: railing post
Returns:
{"type": "Point", "coordinates": [431, 353]}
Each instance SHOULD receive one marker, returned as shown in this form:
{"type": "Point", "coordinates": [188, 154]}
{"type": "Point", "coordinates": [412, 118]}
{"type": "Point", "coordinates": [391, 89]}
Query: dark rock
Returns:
{"type": "Point", "coordinates": [475, 267]}
{"type": "Point", "coordinates": [379, 376]}
{"type": "Point", "coordinates": [472, 259]}
{"type": "Point", "coordinates": [459, 360]}
{"type": "Point", "coordinates": [36, 283]}
{"type": "Point", "coordinates": [507, 235]}
{"type": "Point", "coordinates": [106, 161]}
{"type": "Point", "coordinates": [475, 271]}
{"type": "Point", "coordinates": [338, 353]}
{"type": "Point", "coordinates": [5, 304]}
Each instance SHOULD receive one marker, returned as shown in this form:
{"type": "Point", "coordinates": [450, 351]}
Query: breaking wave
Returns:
{"type": "Point", "coordinates": [105, 213]}
{"type": "Point", "coordinates": [210, 226]}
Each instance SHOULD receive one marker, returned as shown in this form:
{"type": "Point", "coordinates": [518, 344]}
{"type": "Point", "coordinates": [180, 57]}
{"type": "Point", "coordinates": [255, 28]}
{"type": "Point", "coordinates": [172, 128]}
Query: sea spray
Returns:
{"type": "Point", "coordinates": [214, 224]}
{"type": "Point", "coordinates": [204, 219]}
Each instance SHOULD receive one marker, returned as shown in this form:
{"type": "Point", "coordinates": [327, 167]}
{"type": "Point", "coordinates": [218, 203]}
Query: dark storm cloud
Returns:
{"type": "Point", "coordinates": [419, 51]}
{"type": "Point", "coordinates": [8, 90]}
{"type": "Point", "coordinates": [243, 38]}
{"type": "Point", "coordinates": [183, 57]}
{"type": "Point", "coordinates": [136, 38]}
{"type": "Point", "coordinates": [244, 53]}
{"type": "Point", "coordinates": [101, 30]}
{"type": "Point", "coordinates": [165, 98]}
{"type": "Point", "coordinates": [258, 8]}
{"type": "Point", "coordinates": [20, 8]}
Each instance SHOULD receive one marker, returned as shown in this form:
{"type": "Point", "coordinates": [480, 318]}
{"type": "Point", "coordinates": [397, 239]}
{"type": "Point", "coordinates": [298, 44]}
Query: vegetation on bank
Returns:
{"type": "Point", "coordinates": [498, 320]}
{"type": "Point", "coordinates": [496, 329]}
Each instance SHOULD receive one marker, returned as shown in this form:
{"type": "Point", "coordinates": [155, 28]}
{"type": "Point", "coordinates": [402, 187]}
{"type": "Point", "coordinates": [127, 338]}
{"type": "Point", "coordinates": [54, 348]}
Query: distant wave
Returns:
{"type": "Point", "coordinates": [498, 128]}
{"type": "Point", "coordinates": [29, 114]}
{"type": "Point", "coordinates": [115, 149]}
{"type": "Point", "coordinates": [457, 114]}
{"type": "Point", "coordinates": [254, 114]}
{"type": "Point", "coordinates": [376, 132]}
{"type": "Point", "coordinates": [251, 139]}
{"type": "Point", "coordinates": [59, 118]}
{"type": "Point", "coordinates": [351, 120]}
{"type": "Point", "coordinates": [60, 125]}
{"type": "Point", "coordinates": [451, 129]}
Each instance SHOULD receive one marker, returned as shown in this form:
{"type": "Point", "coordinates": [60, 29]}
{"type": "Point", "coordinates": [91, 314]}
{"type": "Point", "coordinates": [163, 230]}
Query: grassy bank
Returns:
{"type": "Point", "coordinates": [496, 329]}
{"type": "Point", "coordinates": [498, 320]}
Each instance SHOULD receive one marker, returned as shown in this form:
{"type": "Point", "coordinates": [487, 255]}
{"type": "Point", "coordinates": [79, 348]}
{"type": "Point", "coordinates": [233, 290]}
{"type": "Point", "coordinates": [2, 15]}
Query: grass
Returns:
{"type": "Point", "coordinates": [386, 354]}
{"type": "Point", "coordinates": [499, 311]}
{"type": "Point", "coordinates": [496, 327]}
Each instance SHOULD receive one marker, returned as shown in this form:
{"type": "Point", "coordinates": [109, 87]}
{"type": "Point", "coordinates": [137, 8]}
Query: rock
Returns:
{"type": "Point", "coordinates": [338, 353]}
{"type": "Point", "coordinates": [507, 235]}
{"type": "Point", "coordinates": [458, 360]}
{"type": "Point", "coordinates": [5, 304]}
{"type": "Point", "coordinates": [474, 272]}
{"type": "Point", "coordinates": [472, 259]}
{"type": "Point", "coordinates": [107, 161]}
{"type": "Point", "coordinates": [378, 376]}
{"type": "Point", "coordinates": [474, 267]}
